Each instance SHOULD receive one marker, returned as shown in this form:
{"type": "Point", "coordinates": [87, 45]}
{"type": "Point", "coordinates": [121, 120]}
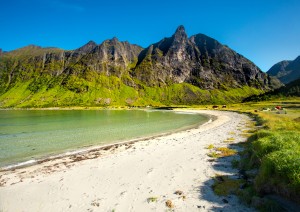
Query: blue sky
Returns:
{"type": "Point", "coordinates": [264, 31]}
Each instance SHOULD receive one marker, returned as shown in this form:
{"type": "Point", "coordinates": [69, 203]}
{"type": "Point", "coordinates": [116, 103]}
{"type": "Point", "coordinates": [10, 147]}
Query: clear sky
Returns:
{"type": "Point", "coordinates": [264, 31]}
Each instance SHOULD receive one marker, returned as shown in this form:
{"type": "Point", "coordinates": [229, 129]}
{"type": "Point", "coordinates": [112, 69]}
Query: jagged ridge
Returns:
{"type": "Point", "coordinates": [175, 70]}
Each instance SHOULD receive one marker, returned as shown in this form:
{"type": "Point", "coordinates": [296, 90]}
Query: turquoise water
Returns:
{"type": "Point", "coordinates": [32, 134]}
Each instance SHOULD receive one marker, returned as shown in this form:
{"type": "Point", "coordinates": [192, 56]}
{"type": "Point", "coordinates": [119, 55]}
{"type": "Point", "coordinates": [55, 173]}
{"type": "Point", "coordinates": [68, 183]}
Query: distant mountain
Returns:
{"type": "Point", "coordinates": [175, 70]}
{"type": "Point", "coordinates": [286, 71]}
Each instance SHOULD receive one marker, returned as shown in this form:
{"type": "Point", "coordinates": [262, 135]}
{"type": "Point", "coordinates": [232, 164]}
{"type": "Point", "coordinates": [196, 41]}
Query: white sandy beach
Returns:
{"type": "Point", "coordinates": [122, 178]}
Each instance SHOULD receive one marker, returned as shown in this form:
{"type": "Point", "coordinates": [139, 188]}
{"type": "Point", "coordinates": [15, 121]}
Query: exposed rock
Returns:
{"type": "Point", "coordinates": [199, 61]}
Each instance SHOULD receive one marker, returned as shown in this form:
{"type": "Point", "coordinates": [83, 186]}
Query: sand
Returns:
{"type": "Point", "coordinates": [127, 177]}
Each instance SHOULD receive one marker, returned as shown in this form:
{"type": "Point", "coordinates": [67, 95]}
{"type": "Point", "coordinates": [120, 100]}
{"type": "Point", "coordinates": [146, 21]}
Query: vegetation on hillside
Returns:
{"type": "Point", "coordinates": [95, 89]}
{"type": "Point", "coordinates": [290, 90]}
{"type": "Point", "coordinates": [174, 71]}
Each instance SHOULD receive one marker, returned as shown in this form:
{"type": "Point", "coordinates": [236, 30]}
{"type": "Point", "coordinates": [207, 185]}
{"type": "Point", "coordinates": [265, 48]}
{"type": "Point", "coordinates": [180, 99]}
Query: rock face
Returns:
{"type": "Point", "coordinates": [115, 69]}
{"type": "Point", "coordinates": [286, 71]}
{"type": "Point", "coordinates": [113, 57]}
{"type": "Point", "coordinates": [168, 61]}
{"type": "Point", "coordinates": [199, 60]}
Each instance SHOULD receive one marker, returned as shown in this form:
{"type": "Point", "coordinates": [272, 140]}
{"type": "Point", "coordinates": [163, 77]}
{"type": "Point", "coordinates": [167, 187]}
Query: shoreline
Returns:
{"type": "Point", "coordinates": [85, 150]}
{"type": "Point", "coordinates": [127, 177]}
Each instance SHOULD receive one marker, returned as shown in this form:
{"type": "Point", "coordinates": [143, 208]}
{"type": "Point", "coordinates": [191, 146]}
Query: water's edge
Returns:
{"type": "Point", "coordinates": [83, 151]}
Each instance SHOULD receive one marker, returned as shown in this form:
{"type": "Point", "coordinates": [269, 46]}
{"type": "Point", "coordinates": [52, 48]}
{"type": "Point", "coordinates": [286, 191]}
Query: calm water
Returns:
{"type": "Point", "coordinates": [25, 135]}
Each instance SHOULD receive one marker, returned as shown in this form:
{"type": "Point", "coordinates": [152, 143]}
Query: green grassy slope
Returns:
{"type": "Point", "coordinates": [101, 90]}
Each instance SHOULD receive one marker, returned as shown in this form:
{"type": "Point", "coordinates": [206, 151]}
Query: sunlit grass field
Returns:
{"type": "Point", "coordinates": [275, 148]}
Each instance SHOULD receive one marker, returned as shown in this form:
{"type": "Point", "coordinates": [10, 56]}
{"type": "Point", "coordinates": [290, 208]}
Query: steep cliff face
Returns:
{"type": "Point", "coordinates": [201, 61]}
{"type": "Point", "coordinates": [175, 70]}
{"type": "Point", "coordinates": [113, 57]}
{"type": "Point", "coordinates": [168, 61]}
{"type": "Point", "coordinates": [286, 71]}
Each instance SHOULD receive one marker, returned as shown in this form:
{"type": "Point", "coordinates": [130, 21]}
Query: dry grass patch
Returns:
{"type": "Point", "coordinates": [225, 151]}
{"type": "Point", "coordinates": [213, 155]}
{"type": "Point", "coordinates": [224, 186]}
{"type": "Point", "coordinates": [222, 152]}
{"type": "Point", "coordinates": [245, 135]}
{"type": "Point", "coordinates": [229, 140]}
{"type": "Point", "coordinates": [249, 131]}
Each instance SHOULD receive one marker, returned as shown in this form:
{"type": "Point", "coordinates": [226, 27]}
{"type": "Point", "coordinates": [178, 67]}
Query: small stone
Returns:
{"type": "Point", "coordinates": [169, 204]}
{"type": "Point", "coordinates": [225, 201]}
{"type": "Point", "coordinates": [178, 192]}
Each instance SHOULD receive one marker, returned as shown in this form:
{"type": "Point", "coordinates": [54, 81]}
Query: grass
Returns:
{"type": "Point", "coordinates": [223, 185]}
{"type": "Point", "coordinates": [39, 89]}
{"type": "Point", "coordinates": [152, 199]}
{"type": "Point", "coordinates": [274, 149]}
{"type": "Point", "coordinates": [211, 146]}
{"type": "Point", "coordinates": [222, 152]}
{"type": "Point", "coordinates": [229, 140]}
{"type": "Point", "coordinates": [250, 131]}
{"type": "Point", "coordinates": [235, 163]}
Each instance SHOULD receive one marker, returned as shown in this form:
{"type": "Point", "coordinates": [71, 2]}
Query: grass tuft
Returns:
{"type": "Point", "coordinates": [211, 146]}
{"type": "Point", "coordinates": [224, 186]}
{"type": "Point", "coordinates": [152, 199]}
{"type": "Point", "coordinates": [225, 151]}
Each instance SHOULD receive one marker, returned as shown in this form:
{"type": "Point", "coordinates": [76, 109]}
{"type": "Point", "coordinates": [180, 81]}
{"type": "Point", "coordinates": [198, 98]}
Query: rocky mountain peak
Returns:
{"type": "Point", "coordinates": [115, 39]}
{"type": "Point", "coordinates": [180, 34]}
{"type": "Point", "coordinates": [88, 47]}
{"type": "Point", "coordinates": [176, 69]}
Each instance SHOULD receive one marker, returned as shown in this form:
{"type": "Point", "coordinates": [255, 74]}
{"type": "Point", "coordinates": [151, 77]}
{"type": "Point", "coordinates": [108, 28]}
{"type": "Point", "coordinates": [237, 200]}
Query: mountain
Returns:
{"type": "Point", "coordinates": [286, 71]}
{"type": "Point", "coordinates": [291, 89]}
{"type": "Point", "coordinates": [175, 70]}
{"type": "Point", "coordinates": [198, 60]}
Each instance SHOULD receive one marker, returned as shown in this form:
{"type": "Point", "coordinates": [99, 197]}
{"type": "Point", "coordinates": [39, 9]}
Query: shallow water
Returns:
{"type": "Point", "coordinates": [32, 134]}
